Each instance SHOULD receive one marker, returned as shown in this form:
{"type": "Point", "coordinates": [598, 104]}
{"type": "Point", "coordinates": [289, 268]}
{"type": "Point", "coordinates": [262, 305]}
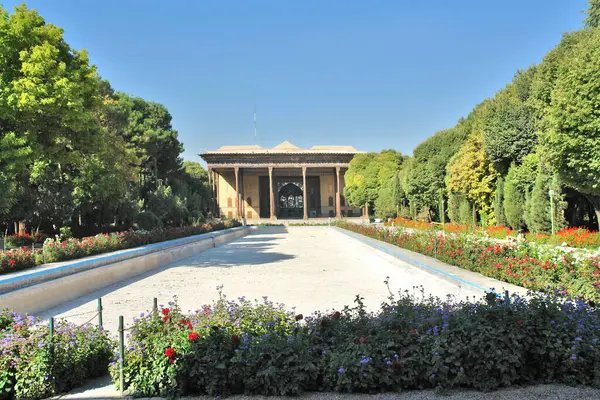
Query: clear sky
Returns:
{"type": "Point", "coordinates": [372, 74]}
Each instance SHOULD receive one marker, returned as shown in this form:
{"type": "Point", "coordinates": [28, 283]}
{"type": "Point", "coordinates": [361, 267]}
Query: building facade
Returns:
{"type": "Point", "coordinates": [285, 182]}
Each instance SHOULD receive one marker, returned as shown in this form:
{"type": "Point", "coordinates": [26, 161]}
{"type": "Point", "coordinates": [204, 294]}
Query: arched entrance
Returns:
{"type": "Point", "coordinates": [291, 201]}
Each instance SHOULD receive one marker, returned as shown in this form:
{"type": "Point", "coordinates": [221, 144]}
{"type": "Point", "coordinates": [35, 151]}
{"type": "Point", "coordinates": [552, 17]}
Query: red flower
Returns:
{"type": "Point", "coordinates": [193, 336]}
{"type": "Point", "coordinates": [171, 361]}
{"type": "Point", "coordinates": [170, 352]}
{"type": "Point", "coordinates": [363, 340]}
{"type": "Point", "coordinates": [182, 322]}
{"type": "Point", "coordinates": [165, 318]}
{"type": "Point", "coordinates": [165, 311]}
{"type": "Point", "coordinates": [299, 317]}
{"type": "Point", "coordinates": [11, 262]}
{"type": "Point", "coordinates": [414, 331]}
{"type": "Point", "coordinates": [519, 323]}
{"type": "Point", "coordinates": [235, 339]}
{"type": "Point", "coordinates": [336, 315]}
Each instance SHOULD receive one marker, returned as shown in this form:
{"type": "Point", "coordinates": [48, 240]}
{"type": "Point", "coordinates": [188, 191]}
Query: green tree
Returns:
{"type": "Point", "coordinates": [593, 14]}
{"type": "Point", "coordinates": [499, 203]}
{"type": "Point", "coordinates": [368, 173]}
{"type": "Point", "coordinates": [572, 141]}
{"type": "Point", "coordinates": [538, 217]}
{"type": "Point", "coordinates": [509, 123]}
{"type": "Point", "coordinates": [454, 207]}
{"type": "Point", "coordinates": [471, 174]}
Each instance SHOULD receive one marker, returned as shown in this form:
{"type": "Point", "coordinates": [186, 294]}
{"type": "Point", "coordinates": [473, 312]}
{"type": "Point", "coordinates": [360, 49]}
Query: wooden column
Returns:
{"type": "Point", "coordinates": [211, 196]}
{"type": "Point", "coordinates": [305, 191]}
{"type": "Point", "coordinates": [237, 191]}
{"type": "Point", "coordinates": [338, 201]}
{"type": "Point", "coordinates": [367, 209]}
{"type": "Point", "coordinates": [271, 199]}
{"type": "Point", "coordinates": [216, 191]}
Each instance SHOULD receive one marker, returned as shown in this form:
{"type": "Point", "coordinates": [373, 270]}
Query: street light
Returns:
{"type": "Point", "coordinates": [551, 193]}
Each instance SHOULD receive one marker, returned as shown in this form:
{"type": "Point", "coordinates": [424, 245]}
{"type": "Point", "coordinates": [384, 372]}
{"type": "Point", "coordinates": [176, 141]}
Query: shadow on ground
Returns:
{"type": "Point", "coordinates": [247, 250]}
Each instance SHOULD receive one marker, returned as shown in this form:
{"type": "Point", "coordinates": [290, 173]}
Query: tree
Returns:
{"type": "Point", "coordinates": [509, 124]}
{"type": "Point", "coordinates": [368, 173]}
{"type": "Point", "coordinates": [572, 141]}
{"type": "Point", "coordinates": [49, 97]}
{"type": "Point", "coordinates": [149, 134]}
{"type": "Point", "coordinates": [471, 174]}
{"type": "Point", "coordinates": [592, 19]}
{"type": "Point", "coordinates": [538, 218]}
{"type": "Point", "coordinates": [519, 181]}
{"type": "Point", "coordinates": [499, 203]}
{"type": "Point", "coordinates": [514, 201]}
{"type": "Point", "coordinates": [454, 207]}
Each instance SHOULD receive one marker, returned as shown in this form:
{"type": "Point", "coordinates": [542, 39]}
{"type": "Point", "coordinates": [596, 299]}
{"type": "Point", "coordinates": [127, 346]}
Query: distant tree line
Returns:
{"type": "Point", "coordinates": [536, 141]}
{"type": "Point", "coordinates": [76, 153]}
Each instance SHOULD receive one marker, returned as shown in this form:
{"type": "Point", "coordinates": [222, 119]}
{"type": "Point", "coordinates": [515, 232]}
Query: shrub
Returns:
{"type": "Point", "coordinates": [34, 366]}
{"type": "Point", "coordinates": [24, 239]}
{"type": "Point", "coordinates": [410, 343]}
{"type": "Point", "coordinates": [18, 259]}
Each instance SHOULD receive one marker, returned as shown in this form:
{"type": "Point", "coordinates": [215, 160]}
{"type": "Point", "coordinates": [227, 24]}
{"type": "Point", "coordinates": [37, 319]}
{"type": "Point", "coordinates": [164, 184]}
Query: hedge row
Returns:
{"type": "Point", "coordinates": [70, 249]}
{"type": "Point", "coordinates": [34, 365]}
{"type": "Point", "coordinates": [526, 264]}
{"type": "Point", "coordinates": [235, 347]}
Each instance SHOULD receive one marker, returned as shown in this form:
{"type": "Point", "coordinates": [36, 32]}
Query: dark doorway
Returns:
{"type": "Point", "coordinates": [291, 201]}
{"type": "Point", "coordinates": [313, 186]}
{"type": "Point", "coordinates": [264, 198]}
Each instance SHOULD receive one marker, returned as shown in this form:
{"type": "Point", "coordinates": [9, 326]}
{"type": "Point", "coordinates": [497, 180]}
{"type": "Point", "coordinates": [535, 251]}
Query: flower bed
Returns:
{"type": "Point", "coordinates": [525, 264]}
{"type": "Point", "coordinates": [245, 348]}
{"type": "Point", "coordinates": [35, 366]}
{"type": "Point", "coordinates": [24, 239]}
{"type": "Point", "coordinates": [57, 250]}
{"type": "Point", "coordinates": [571, 237]}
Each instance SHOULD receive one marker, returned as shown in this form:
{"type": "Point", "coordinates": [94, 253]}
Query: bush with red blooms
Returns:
{"type": "Point", "coordinates": [70, 249]}
{"type": "Point", "coordinates": [24, 240]}
{"type": "Point", "coordinates": [17, 259]}
{"type": "Point", "coordinates": [531, 266]}
{"type": "Point", "coordinates": [410, 343]}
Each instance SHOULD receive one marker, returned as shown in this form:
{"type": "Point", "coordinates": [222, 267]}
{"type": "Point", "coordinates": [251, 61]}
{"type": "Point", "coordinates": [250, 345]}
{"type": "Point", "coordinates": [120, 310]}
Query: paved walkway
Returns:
{"type": "Point", "coordinates": [312, 268]}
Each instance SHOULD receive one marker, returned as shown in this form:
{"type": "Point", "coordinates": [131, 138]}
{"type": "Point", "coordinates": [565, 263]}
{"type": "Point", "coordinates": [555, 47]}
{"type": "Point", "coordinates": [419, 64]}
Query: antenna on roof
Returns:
{"type": "Point", "coordinates": [255, 123]}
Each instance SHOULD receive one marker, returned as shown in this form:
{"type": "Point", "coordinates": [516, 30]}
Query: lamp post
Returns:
{"type": "Point", "coordinates": [551, 193]}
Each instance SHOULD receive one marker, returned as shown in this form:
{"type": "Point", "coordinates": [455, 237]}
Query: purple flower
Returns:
{"type": "Point", "coordinates": [341, 370]}
{"type": "Point", "coordinates": [578, 339]}
{"type": "Point", "coordinates": [574, 357]}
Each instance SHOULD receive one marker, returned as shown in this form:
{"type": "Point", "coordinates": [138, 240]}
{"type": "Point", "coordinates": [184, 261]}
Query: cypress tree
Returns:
{"type": "Point", "coordinates": [454, 208]}
{"type": "Point", "coordinates": [514, 201]}
{"type": "Point", "coordinates": [539, 208]}
{"type": "Point", "coordinates": [499, 203]}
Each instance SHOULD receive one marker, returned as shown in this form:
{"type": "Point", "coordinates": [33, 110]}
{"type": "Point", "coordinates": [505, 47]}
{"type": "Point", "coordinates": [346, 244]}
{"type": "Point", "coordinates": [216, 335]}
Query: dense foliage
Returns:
{"type": "Point", "coordinates": [525, 264]}
{"type": "Point", "coordinates": [75, 153]}
{"type": "Point", "coordinates": [35, 365]}
{"type": "Point", "coordinates": [64, 249]}
{"type": "Point", "coordinates": [538, 135]}
{"type": "Point", "coordinates": [412, 342]}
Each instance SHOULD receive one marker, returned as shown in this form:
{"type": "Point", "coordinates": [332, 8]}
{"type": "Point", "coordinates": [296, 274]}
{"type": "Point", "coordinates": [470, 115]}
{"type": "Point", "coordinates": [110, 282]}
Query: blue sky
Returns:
{"type": "Point", "coordinates": [372, 74]}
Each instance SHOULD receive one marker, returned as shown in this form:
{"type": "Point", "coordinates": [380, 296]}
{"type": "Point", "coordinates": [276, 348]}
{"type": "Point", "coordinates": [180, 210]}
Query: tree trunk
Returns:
{"type": "Point", "coordinates": [22, 227]}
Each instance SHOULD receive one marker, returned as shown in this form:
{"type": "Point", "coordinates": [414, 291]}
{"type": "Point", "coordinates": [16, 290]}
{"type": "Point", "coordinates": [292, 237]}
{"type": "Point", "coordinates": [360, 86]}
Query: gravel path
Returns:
{"type": "Point", "coordinates": [312, 268]}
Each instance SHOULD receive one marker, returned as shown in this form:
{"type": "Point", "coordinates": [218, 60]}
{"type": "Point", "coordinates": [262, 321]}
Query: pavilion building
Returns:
{"type": "Point", "coordinates": [284, 182]}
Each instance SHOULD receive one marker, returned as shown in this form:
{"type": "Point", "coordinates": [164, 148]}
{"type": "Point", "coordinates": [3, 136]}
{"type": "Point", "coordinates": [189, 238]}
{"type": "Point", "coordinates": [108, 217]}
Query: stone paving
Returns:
{"type": "Point", "coordinates": [312, 268]}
